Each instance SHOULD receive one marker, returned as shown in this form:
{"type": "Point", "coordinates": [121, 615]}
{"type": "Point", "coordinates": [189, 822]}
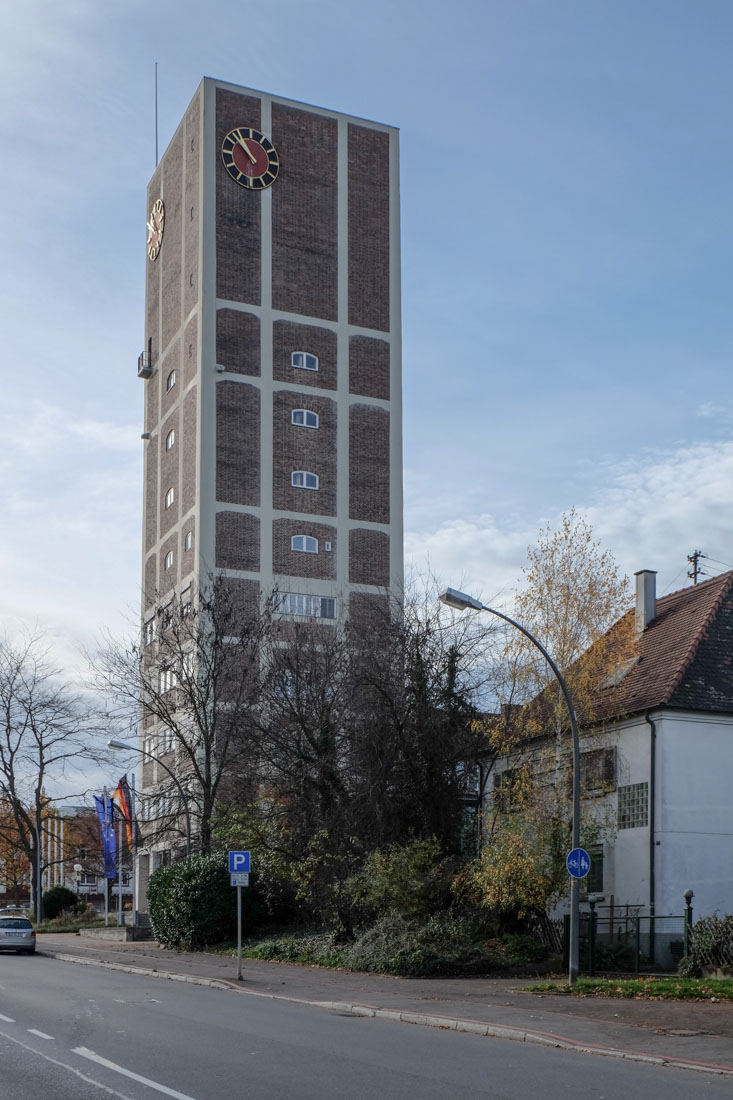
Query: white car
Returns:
{"type": "Point", "coordinates": [17, 934]}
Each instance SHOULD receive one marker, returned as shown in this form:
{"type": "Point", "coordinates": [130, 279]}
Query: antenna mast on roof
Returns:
{"type": "Point", "coordinates": [156, 114]}
{"type": "Point", "coordinates": [696, 571]}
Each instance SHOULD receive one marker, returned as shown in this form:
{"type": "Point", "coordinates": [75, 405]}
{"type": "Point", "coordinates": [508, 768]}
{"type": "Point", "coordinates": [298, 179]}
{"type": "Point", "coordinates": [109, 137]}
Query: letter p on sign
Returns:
{"type": "Point", "coordinates": [238, 861]}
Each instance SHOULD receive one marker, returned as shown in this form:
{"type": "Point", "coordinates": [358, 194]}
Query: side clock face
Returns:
{"type": "Point", "coordinates": [156, 224]}
{"type": "Point", "coordinates": [249, 158]}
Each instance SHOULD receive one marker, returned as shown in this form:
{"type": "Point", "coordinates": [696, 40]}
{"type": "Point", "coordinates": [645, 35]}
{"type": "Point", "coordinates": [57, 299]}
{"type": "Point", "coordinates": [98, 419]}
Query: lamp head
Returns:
{"type": "Point", "coordinates": [460, 600]}
{"type": "Point", "coordinates": [113, 744]}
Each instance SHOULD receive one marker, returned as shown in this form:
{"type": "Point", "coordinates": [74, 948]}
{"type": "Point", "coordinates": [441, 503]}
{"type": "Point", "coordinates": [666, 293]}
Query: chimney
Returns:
{"type": "Point", "coordinates": [646, 598]}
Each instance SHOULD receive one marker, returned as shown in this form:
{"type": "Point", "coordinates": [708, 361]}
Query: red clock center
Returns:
{"type": "Point", "coordinates": [255, 168]}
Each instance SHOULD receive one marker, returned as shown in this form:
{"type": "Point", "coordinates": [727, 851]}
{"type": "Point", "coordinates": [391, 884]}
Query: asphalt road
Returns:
{"type": "Point", "coordinates": [71, 1031]}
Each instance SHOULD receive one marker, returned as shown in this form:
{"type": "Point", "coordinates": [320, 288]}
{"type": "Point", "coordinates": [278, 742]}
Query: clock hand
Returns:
{"type": "Point", "coordinates": [243, 143]}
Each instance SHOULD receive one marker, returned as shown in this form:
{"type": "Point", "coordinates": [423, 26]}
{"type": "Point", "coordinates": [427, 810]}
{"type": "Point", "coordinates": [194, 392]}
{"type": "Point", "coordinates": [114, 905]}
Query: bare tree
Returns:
{"type": "Point", "coordinates": [46, 729]}
{"type": "Point", "coordinates": [187, 688]}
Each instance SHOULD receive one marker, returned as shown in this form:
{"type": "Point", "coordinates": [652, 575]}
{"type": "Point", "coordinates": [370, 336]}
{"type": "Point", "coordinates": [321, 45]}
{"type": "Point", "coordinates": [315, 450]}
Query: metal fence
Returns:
{"type": "Point", "coordinates": [627, 941]}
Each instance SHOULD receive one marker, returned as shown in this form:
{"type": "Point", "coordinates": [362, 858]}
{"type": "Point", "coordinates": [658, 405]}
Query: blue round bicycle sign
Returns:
{"type": "Point", "coordinates": [578, 863]}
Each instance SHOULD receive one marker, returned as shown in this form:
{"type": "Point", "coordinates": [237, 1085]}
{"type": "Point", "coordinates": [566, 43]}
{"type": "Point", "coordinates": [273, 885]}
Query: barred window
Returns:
{"type": "Point", "coordinates": [633, 806]}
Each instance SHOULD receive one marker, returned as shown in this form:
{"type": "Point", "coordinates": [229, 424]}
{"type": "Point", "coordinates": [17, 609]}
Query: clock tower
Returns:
{"type": "Point", "coordinates": [272, 365]}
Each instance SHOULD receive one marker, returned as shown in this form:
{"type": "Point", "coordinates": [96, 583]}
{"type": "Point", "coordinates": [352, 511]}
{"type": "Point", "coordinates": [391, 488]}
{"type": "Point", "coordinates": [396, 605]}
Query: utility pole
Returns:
{"type": "Point", "coordinates": [696, 571]}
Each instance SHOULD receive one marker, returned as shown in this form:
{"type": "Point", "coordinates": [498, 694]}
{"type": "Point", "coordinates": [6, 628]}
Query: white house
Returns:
{"type": "Point", "coordinates": [658, 767]}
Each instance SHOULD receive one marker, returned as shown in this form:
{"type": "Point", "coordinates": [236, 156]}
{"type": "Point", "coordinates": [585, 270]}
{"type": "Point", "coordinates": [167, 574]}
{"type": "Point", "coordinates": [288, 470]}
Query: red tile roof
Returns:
{"type": "Point", "coordinates": [685, 654]}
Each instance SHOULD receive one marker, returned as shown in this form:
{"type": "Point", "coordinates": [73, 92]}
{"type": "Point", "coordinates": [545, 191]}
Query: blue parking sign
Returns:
{"type": "Point", "coordinates": [238, 862]}
{"type": "Point", "coordinates": [578, 863]}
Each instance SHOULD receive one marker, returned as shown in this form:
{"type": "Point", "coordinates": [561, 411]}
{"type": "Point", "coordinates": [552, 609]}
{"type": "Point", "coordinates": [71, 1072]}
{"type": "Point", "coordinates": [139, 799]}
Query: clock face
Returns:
{"type": "Point", "coordinates": [156, 224]}
{"type": "Point", "coordinates": [249, 158]}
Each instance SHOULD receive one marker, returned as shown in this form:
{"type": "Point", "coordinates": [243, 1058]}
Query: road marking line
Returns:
{"type": "Point", "coordinates": [7, 1019]}
{"type": "Point", "coordinates": [86, 1053]}
{"type": "Point", "coordinates": [42, 1034]}
{"type": "Point", "coordinates": [65, 1065]}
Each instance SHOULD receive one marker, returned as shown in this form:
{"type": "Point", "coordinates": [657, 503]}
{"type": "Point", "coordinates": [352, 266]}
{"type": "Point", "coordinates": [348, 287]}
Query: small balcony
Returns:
{"type": "Point", "coordinates": [144, 365]}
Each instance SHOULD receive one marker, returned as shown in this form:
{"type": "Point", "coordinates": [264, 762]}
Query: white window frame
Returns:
{"type": "Point", "coordinates": [304, 418]}
{"type": "Point", "coordinates": [299, 479]}
{"type": "Point", "coordinates": [167, 679]}
{"type": "Point", "coordinates": [304, 360]}
{"type": "Point", "coordinates": [188, 540]}
{"type": "Point", "coordinates": [170, 497]}
{"type": "Point", "coordinates": [170, 381]}
{"type": "Point", "coordinates": [299, 603]}
{"type": "Point", "coordinates": [304, 544]}
{"type": "Point", "coordinates": [168, 561]}
{"type": "Point", "coordinates": [170, 440]}
{"type": "Point", "coordinates": [149, 632]}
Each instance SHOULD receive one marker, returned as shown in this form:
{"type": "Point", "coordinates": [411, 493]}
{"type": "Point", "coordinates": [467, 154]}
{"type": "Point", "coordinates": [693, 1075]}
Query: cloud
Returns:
{"type": "Point", "coordinates": [650, 511]}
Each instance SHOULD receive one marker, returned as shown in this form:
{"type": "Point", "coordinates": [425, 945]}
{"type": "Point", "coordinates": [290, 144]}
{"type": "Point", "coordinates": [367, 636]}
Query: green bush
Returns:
{"type": "Point", "coordinates": [441, 945]}
{"type": "Point", "coordinates": [57, 899]}
{"type": "Point", "coordinates": [523, 949]}
{"type": "Point", "coordinates": [314, 949]}
{"type": "Point", "coordinates": [412, 880]}
{"type": "Point", "coordinates": [191, 903]}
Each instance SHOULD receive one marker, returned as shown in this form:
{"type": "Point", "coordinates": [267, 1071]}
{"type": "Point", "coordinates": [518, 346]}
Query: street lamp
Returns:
{"type": "Point", "coordinates": [461, 602]}
{"type": "Point", "coordinates": [123, 746]}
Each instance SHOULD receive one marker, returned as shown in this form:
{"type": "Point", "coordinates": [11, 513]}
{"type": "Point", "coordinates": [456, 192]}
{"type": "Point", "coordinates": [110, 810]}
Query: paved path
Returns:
{"type": "Point", "coordinates": [697, 1035]}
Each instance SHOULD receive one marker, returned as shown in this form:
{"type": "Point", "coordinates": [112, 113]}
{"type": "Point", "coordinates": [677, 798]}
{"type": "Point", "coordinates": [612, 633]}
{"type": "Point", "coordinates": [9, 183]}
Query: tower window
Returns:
{"type": "Point", "coordinates": [170, 496]}
{"type": "Point", "coordinates": [188, 540]}
{"type": "Point", "coordinates": [170, 381]}
{"type": "Point", "coordinates": [168, 561]}
{"type": "Point", "coordinates": [297, 603]}
{"type": "Point", "coordinates": [304, 360]}
{"type": "Point", "coordinates": [306, 544]}
{"type": "Point", "coordinates": [304, 418]}
{"type": "Point", "coordinates": [301, 479]}
{"type": "Point", "coordinates": [170, 439]}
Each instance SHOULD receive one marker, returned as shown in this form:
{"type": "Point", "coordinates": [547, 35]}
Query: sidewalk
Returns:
{"type": "Point", "coordinates": [693, 1035]}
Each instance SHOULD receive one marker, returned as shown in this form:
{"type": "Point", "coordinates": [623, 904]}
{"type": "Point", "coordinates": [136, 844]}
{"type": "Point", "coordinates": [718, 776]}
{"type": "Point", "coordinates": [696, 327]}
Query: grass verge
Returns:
{"type": "Point", "coordinates": [643, 989]}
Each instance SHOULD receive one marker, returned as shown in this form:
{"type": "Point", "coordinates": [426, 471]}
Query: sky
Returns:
{"type": "Point", "coordinates": [566, 245]}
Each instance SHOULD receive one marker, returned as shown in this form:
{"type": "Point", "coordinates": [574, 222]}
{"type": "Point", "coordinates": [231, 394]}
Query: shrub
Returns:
{"type": "Point", "coordinates": [57, 899]}
{"type": "Point", "coordinates": [411, 880]}
{"type": "Point", "coordinates": [524, 949]}
{"type": "Point", "coordinates": [191, 903]}
{"type": "Point", "coordinates": [441, 945]}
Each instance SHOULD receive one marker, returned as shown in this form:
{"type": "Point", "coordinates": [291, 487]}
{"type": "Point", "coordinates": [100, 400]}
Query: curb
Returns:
{"type": "Point", "coordinates": [449, 1023]}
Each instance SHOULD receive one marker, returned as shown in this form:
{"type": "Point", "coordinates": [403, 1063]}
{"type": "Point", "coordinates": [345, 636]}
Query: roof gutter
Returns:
{"type": "Point", "coordinates": [652, 844]}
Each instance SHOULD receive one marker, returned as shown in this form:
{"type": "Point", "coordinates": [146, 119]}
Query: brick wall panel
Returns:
{"type": "Point", "coordinates": [171, 362]}
{"type": "Point", "coordinates": [238, 341]}
{"type": "Point", "coordinates": [368, 557]}
{"type": "Point", "coordinates": [151, 581]}
{"type": "Point", "coordinates": [191, 220]}
{"type": "Point", "coordinates": [295, 563]}
{"type": "Point", "coordinates": [287, 337]}
{"type": "Point", "coordinates": [368, 228]}
{"type": "Point", "coordinates": [237, 443]}
{"type": "Point", "coordinates": [298, 448]}
{"type": "Point", "coordinates": [171, 249]}
{"type": "Point", "coordinates": [188, 557]}
{"type": "Point", "coordinates": [369, 367]}
{"type": "Point", "coordinates": [151, 493]}
{"type": "Point", "coordinates": [237, 541]}
{"type": "Point", "coordinates": [242, 595]}
{"type": "Point", "coordinates": [304, 213]}
{"type": "Point", "coordinates": [168, 578]}
{"type": "Point", "coordinates": [369, 464]}
{"type": "Point", "coordinates": [238, 217]}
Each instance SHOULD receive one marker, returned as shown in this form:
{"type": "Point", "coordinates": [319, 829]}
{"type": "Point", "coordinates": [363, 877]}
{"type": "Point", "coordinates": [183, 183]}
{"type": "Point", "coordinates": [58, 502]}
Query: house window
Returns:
{"type": "Point", "coordinates": [633, 806]}
{"type": "Point", "coordinates": [301, 479]}
{"type": "Point", "coordinates": [170, 381]}
{"type": "Point", "coordinates": [167, 563]}
{"type": "Point", "coordinates": [88, 879]}
{"type": "Point", "coordinates": [188, 540]}
{"type": "Point", "coordinates": [165, 741]}
{"type": "Point", "coordinates": [167, 679]}
{"type": "Point", "coordinates": [170, 439]}
{"type": "Point", "coordinates": [509, 788]}
{"type": "Point", "coordinates": [187, 662]}
{"type": "Point", "coordinates": [304, 360]}
{"type": "Point", "coordinates": [304, 418]}
{"type": "Point", "coordinates": [296, 603]}
{"type": "Point", "coordinates": [306, 544]}
{"type": "Point", "coordinates": [149, 632]}
{"type": "Point", "coordinates": [593, 881]}
{"type": "Point", "coordinates": [83, 853]}
{"type": "Point", "coordinates": [598, 771]}
{"type": "Point", "coordinates": [170, 496]}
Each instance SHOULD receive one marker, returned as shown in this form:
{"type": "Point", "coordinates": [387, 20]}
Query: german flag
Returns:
{"type": "Point", "coordinates": [123, 800]}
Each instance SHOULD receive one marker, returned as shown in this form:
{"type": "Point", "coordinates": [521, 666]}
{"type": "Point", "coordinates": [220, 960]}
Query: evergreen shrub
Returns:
{"type": "Point", "coordinates": [440, 945]}
{"type": "Point", "coordinates": [191, 903]}
{"type": "Point", "coordinates": [57, 899]}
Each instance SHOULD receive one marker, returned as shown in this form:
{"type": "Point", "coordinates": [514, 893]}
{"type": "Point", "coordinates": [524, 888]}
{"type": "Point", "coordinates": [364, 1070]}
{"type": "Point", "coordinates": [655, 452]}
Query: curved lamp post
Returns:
{"type": "Point", "coordinates": [461, 601]}
{"type": "Point", "coordinates": [123, 746]}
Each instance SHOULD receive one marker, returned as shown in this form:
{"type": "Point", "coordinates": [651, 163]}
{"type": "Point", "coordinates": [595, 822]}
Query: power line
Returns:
{"type": "Point", "coordinates": [696, 571]}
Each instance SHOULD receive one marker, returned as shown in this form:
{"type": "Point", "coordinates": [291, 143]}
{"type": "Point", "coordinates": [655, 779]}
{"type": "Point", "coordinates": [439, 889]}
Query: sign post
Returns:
{"type": "Point", "coordinates": [239, 877]}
